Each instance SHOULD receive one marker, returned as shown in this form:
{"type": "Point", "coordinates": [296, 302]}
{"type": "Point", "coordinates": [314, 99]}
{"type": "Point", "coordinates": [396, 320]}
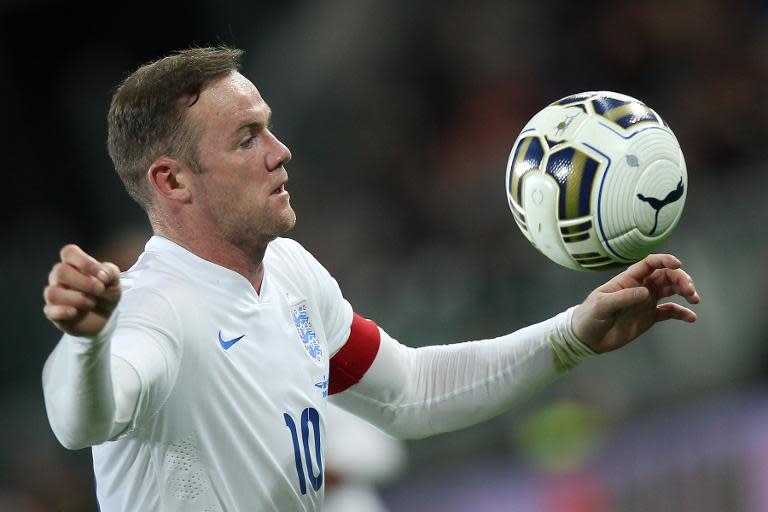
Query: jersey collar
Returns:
{"type": "Point", "coordinates": [199, 269]}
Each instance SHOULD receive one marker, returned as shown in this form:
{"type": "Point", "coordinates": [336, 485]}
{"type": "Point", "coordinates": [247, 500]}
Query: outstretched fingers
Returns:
{"type": "Point", "coordinates": [609, 303]}
{"type": "Point", "coordinates": [667, 282]}
{"type": "Point", "coordinates": [648, 265]}
{"type": "Point", "coordinates": [672, 311]}
{"type": "Point", "coordinates": [626, 306]}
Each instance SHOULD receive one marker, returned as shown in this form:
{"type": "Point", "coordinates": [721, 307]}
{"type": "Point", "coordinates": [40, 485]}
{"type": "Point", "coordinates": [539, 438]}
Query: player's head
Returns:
{"type": "Point", "coordinates": [190, 132]}
{"type": "Point", "coordinates": [148, 115]}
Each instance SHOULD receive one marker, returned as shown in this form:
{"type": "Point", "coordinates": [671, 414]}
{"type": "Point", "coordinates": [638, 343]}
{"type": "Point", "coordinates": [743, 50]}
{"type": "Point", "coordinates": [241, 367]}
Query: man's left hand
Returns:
{"type": "Point", "coordinates": [628, 305]}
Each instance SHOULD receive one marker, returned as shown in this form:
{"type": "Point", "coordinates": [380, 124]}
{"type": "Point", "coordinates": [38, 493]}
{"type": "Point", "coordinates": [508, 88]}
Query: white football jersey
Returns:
{"type": "Point", "coordinates": [234, 417]}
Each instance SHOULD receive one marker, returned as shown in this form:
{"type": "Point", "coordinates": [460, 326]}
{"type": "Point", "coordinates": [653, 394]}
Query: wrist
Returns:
{"type": "Point", "coordinates": [101, 337]}
{"type": "Point", "coordinates": [569, 350]}
{"type": "Point", "coordinates": [106, 332]}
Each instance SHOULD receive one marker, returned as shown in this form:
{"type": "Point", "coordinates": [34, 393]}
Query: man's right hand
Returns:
{"type": "Point", "coordinates": [81, 293]}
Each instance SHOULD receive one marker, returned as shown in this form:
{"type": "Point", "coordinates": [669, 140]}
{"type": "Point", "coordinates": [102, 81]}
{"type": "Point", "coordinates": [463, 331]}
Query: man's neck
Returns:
{"type": "Point", "coordinates": [245, 259]}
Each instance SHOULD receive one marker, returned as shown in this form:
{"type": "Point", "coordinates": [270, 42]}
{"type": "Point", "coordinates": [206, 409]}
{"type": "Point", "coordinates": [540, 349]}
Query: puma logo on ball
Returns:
{"type": "Point", "coordinates": [658, 204]}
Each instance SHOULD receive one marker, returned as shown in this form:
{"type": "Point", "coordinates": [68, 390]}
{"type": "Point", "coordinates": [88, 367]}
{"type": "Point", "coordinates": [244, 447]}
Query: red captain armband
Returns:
{"type": "Point", "coordinates": [350, 363]}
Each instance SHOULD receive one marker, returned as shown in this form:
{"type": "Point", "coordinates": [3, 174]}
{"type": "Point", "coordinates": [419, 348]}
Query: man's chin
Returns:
{"type": "Point", "coordinates": [287, 223]}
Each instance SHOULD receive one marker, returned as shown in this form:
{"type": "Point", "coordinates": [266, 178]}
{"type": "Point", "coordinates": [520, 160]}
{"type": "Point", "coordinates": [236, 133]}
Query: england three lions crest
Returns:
{"type": "Point", "coordinates": [307, 333]}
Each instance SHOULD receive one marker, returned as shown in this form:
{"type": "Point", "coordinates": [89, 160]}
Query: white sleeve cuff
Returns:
{"type": "Point", "coordinates": [89, 344]}
{"type": "Point", "coordinates": [569, 351]}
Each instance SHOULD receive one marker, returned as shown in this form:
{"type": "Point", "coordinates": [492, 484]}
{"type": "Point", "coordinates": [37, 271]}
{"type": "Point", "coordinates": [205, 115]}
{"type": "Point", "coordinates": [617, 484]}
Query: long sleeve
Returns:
{"type": "Point", "coordinates": [99, 388]}
{"type": "Point", "coordinates": [90, 395]}
{"type": "Point", "coordinates": [414, 393]}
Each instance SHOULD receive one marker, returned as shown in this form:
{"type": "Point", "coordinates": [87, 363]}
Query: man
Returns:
{"type": "Point", "coordinates": [200, 376]}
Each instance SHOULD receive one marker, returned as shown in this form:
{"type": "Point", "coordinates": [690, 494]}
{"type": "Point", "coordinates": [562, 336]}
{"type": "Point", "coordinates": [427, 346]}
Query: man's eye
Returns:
{"type": "Point", "coordinates": [247, 143]}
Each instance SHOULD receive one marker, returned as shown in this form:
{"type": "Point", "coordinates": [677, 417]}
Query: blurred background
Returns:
{"type": "Point", "coordinates": [400, 116]}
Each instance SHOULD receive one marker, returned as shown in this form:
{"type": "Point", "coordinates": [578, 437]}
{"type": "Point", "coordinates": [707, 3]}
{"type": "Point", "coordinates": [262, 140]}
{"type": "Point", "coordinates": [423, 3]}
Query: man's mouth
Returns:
{"type": "Point", "coordinates": [280, 189]}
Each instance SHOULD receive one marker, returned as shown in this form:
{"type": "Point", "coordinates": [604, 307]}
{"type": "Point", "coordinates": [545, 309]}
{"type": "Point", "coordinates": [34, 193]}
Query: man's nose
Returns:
{"type": "Point", "coordinates": [278, 153]}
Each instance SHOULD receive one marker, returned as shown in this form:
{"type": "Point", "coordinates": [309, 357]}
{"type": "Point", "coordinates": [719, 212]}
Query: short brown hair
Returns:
{"type": "Point", "coordinates": [147, 116]}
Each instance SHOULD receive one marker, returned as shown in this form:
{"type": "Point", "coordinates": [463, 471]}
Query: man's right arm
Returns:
{"type": "Point", "coordinates": [90, 395]}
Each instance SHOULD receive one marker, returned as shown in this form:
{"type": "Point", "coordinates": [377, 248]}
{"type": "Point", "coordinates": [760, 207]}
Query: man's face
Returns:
{"type": "Point", "coordinates": [241, 184]}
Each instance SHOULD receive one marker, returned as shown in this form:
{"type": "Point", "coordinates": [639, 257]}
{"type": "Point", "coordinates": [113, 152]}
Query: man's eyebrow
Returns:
{"type": "Point", "coordinates": [257, 125]}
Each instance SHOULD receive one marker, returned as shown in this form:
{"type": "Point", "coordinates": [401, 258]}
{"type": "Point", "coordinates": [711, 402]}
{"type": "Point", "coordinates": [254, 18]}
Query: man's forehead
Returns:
{"type": "Point", "coordinates": [231, 96]}
{"type": "Point", "coordinates": [241, 85]}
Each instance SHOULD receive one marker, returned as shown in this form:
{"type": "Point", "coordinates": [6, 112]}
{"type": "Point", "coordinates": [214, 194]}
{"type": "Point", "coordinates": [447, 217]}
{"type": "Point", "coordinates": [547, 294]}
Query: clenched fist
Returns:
{"type": "Point", "coordinates": [81, 292]}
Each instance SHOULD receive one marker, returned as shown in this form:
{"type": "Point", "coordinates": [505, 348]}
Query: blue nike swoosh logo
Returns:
{"type": "Point", "coordinates": [225, 344]}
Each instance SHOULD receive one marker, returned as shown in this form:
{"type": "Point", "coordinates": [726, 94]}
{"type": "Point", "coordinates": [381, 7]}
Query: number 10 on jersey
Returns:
{"type": "Point", "coordinates": [309, 416]}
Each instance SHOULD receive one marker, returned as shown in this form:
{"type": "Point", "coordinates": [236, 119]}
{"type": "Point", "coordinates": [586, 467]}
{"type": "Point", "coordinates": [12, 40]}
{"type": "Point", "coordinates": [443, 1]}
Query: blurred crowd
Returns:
{"type": "Point", "coordinates": [400, 116]}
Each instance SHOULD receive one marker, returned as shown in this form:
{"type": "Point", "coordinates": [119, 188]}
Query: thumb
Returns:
{"type": "Point", "coordinates": [614, 301]}
{"type": "Point", "coordinates": [109, 273]}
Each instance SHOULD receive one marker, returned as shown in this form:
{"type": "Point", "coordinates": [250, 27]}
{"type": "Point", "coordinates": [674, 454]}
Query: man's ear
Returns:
{"type": "Point", "coordinates": [170, 179]}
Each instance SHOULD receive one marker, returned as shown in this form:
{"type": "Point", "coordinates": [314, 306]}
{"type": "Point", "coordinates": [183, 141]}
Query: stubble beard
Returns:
{"type": "Point", "coordinates": [259, 234]}
{"type": "Point", "coordinates": [286, 225]}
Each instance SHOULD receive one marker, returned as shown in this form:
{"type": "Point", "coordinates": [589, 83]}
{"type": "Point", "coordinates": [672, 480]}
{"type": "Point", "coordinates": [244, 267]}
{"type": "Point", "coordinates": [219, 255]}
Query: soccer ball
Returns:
{"type": "Point", "coordinates": [596, 180]}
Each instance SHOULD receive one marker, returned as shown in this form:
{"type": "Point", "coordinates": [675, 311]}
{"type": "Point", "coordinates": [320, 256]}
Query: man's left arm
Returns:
{"type": "Point", "coordinates": [413, 393]}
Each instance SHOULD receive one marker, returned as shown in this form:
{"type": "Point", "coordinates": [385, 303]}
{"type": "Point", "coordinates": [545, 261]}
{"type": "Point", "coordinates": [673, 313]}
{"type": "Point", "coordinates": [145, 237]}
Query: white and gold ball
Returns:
{"type": "Point", "coordinates": [596, 180]}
